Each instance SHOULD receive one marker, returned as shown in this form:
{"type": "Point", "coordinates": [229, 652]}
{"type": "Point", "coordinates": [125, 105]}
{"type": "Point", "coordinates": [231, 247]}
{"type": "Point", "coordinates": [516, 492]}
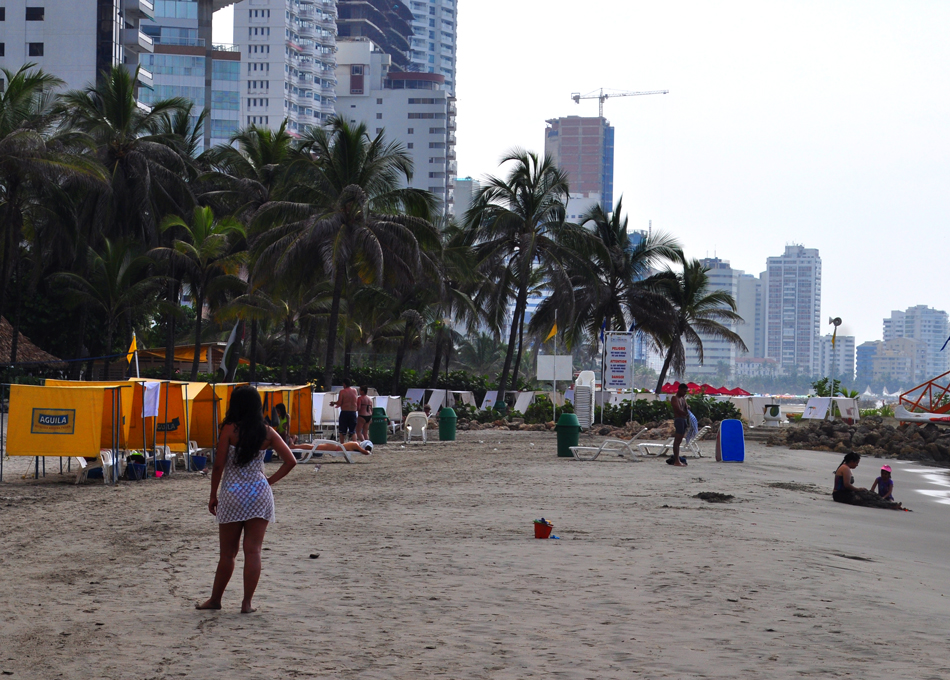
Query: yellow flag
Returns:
{"type": "Point", "coordinates": [132, 348]}
{"type": "Point", "coordinates": [552, 333]}
{"type": "Point", "coordinates": [834, 336]}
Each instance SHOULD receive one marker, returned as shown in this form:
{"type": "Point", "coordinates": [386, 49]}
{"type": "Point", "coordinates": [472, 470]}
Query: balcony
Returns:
{"type": "Point", "coordinates": [451, 124]}
{"type": "Point", "coordinates": [138, 9]}
{"type": "Point", "coordinates": [135, 41]}
{"type": "Point", "coordinates": [144, 77]}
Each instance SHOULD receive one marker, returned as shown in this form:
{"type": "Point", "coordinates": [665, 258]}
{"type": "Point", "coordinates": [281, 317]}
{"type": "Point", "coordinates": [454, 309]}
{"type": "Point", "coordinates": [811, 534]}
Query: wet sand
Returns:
{"type": "Point", "coordinates": [428, 567]}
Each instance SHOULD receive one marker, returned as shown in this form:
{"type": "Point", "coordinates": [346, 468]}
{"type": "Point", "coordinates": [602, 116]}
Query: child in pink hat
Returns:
{"type": "Point", "coordinates": [884, 484]}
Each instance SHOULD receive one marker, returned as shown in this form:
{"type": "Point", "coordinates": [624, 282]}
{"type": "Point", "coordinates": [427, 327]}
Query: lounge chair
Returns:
{"type": "Point", "coordinates": [692, 446]}
{"type": "Point", "coordinates": [304, 455]}
{"type": "Point", "coordinates": [416, 422]}
{"type": "Point", "coordinates": [619, 446]}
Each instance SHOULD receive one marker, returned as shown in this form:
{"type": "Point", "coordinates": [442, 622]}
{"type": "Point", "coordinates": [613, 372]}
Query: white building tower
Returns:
{"type": "Point", "coordinates": [792, 287]}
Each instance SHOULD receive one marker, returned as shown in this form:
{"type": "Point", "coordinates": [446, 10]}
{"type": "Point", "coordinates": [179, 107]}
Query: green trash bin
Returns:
{"type": "Point", "coordinates": [500, 406]}
{"type": "Point", "coordinates": [447, 420]}
{"type": "Point", "coordinates": [379, 426]}
{"type": "Point", "coordinates": [568, 434]}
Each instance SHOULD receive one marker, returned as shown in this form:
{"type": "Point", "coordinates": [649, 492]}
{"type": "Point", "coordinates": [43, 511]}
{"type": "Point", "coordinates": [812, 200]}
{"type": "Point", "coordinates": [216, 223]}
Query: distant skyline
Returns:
{"type": "Point", "coordinates": [822, 124]}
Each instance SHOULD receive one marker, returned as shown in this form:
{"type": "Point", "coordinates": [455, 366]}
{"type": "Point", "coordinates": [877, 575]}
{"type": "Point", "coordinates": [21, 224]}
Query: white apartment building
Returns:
{"type": "Point", "coordinates": [289, 49]}
{"type": "Point", "coordinates": [716, 352]}
{"type": "Point", "coordinates": [836, 362]}
{"type": "Point", "coordinates": [411, 107]}
{"type": "Point", "coordinates": [792, 287]}
{"type": "Point", "coordinates": [927, 325]}
{"type": "Point", "coordinates": [179, 67]}
{"type": "Point", "coordinates": [74, 40]}
{"type": "Point", "coordinates": [749, 307]}
{"type": "Point", "coordinates": [434, 38]}
{"type": "Point", "coordinates": [466, 189]}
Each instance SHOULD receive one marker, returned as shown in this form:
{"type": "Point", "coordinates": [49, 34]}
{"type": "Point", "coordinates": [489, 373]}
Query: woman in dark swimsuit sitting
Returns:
{"type": "Point", "coordinates": [846, 492]}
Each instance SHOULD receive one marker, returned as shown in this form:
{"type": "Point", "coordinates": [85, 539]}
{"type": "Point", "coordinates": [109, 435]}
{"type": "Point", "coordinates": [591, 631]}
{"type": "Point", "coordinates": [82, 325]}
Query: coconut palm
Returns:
{"type": "Point", "coordinates": [204, 256]}
{"type": "Point", "coordinates": [697, 310]}
{"type": "Point", "coordinates": [117, 281]}
{"type": "Point", "coordinates": [348, 215]}
{"type": "Point", "coordinates": [615, 290]}
{"type": "Point", "coordinates": [35, 157]}
{"type": "Point", "coordinates": [516, 224]}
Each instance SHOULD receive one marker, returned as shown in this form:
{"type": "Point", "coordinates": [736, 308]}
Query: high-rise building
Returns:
{"type": "Point", "coordinates": [289, 49]}
{"type": "Point", "coordinates": [864, 364]}
{"type": "Point", "coordinates": [719, 356]}
{"type": "Point", "coordinates": [409, 106]}
{"type": "Point", "coordinates": [434, 38]}
{"type": "Point", "coordinates": [75, 40]}
{"type": "Point", "coordinates": [836, 362]}
{"type": "Point", "coordinates": [792, 287]}
{"type": "Point", "coordinates": [749, 307]}
{"type": "Point", "coordinates": [584, 149]}
{"type": "Point", "coordinates": [927, 325]}
{"type": "Point", "coordinates": [387, 23]}
{"type": "Point", "coordinates": [466, 189]}
{"type": "Point", "coordinates": [179, 67]}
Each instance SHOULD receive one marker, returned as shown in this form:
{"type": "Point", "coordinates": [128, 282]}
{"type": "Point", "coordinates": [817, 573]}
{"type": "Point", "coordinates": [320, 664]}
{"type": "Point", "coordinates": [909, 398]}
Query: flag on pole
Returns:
{"type": "Point", "coordinates": [132, 349]}
{"type": "Point", "coordinates": [834, 335]}
{"type": "Point", "coordinates": [231, 351]}
{"type": "Point", "coordinates": [603, 327]}
{"type": "Point", "coordinates": [945, 345]}
{"type": "Point", "coordinates": [552, 333]}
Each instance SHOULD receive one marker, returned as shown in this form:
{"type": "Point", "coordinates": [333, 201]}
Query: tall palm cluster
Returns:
{"type": "Point", "coordinates": [111, 217]}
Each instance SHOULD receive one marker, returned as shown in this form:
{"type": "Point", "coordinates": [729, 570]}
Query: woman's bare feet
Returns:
{"type": "Point", "coordinates": [208, 604]}
{"type": "Point", "coordinates": [246, 608]}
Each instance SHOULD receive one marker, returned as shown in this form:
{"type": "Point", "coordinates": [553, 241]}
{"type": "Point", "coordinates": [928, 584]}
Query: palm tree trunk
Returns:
{"type": "Point", "coordinates": [308, 352]}
{"type": "Point", "coordinates": [333, 321]}
{"type": "Point", "coordinates": [199, 304]}
{"type": "Point", "coordinates": [170, 327]}
{"type": "Point", "coordinates": [347, 356]}
{"type": "Point", "coordinates": [105, 368]}
{"type": "Point", "coordinates": [517, 370]}
{"type": "Point", "coordinates": [400, 354]}
{"type": "Point", "coordinates": [666, 367]}
{"type": "Point", "coordinates": [75, 368]}
{"type": "Point", "coordinates": [288, 329]}
{"type": "Point", "coordinates": [436, 361]}
{"type": "Point", "coordinates": [512, 337]}
{"type": "Point", "coordinates": [252, 371]}
{"type": "Point", "coordinates": [15, 341]}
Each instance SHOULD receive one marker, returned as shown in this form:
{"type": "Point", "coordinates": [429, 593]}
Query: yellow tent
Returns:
{"type": "Point", "coordinates": [207, 406]}
{"type": "Point", "coordinates": [127, 401]}
{"type": "Point", "coordinates": [64, 421]}
{"type": "Point", "coordinates": [298, 400]}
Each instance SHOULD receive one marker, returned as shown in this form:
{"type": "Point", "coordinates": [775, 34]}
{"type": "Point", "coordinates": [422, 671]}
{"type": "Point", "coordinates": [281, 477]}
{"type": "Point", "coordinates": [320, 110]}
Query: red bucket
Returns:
{"type": "Point", "coordinates": [543, 530]}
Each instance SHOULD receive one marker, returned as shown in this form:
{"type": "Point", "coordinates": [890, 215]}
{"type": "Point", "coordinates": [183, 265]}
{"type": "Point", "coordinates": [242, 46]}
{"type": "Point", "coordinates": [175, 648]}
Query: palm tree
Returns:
{"type": "Point", "coordinates": [615, 287]}
{"type": "Point", "coordinates": [204, 257]}
{"type": "Point", "coordinates": [116, 282]}
{"type": "Point", "coordinates": [697, 310]}
{"type": "Point", "coordinates": [348, 215]}
{"type": "Point", "coordinates": [481, 353]}
{"type": "Point", "coordinates": [35, 157]}
{"type": "Point", "coordinates": [516, 224]}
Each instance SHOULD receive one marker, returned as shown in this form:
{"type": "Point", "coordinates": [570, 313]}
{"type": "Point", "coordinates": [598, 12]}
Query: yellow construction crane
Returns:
{"type": "Point", "coordinates": [602, 96]}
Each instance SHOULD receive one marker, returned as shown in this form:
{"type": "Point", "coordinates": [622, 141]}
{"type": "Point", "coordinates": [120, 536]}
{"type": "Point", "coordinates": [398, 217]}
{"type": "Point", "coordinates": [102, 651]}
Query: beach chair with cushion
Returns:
{"type": "Point", "coordinates": [305, 455]}
{"type": "Point", "coordinates": [416, 422]}
{"type": "Point", "coordinates": [621, 447]}
{"type": "Point", "coordinates": [690, 446]}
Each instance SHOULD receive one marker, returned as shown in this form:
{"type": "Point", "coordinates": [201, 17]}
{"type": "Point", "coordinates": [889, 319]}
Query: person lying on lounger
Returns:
{"type": "Point", "coordinates": [366, 447]}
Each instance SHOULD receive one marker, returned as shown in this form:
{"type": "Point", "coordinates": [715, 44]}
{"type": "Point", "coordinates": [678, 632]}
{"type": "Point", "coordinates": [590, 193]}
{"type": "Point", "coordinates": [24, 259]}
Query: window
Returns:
{"type": "Point", "coordinates": [411, 131]}
{"type": "Point", "coordinates": [378, 130]}
{"type": "Point", "coordinates": [379, 116]}
{"type": "Point", "coordinates": [34, 49]}
{"type": "Point", "coordinates": [356, 70]}
{"type": "Point", "coordinates": [3, 13]}
{"type": "Point", "coordinates": [3, 49]}
{"type": "Point", "coordinates": [379, 101]}
{"type": "Point", "coordinates": [35, 13]}
{"type": "Point", "coordinates": [3, 85]}
{"type": "Point", "coordinates": [409, 145]}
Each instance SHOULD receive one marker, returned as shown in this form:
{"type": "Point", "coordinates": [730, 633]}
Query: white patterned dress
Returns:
{"type": "Point", "coordinates": [245, 493]}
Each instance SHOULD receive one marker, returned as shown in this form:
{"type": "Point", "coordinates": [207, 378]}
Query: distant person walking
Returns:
{"type": "Point", "coordinates": [246, 502]}
{"type": "Point", "coordinates": [347, 401]}
{"type": "Point", "coordinates": [364, 406]}
{"type": "Point", "coordinates": [680, 421]}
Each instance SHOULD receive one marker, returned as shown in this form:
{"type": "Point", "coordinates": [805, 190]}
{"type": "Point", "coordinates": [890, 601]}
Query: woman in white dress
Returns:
{"type": "Point", "coordinates": [246, 502]}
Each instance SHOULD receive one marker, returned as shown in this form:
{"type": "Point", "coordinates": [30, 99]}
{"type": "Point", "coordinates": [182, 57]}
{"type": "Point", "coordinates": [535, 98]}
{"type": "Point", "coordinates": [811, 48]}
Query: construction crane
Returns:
{"type": "Point", "coordinates": [602, 96]}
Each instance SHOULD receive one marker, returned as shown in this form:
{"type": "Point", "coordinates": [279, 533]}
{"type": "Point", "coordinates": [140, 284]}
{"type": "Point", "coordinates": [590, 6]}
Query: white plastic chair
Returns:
{"type": "Point", "coordinates": [418, 422]}
{"type": "Point", "coordinates": [104, 461]}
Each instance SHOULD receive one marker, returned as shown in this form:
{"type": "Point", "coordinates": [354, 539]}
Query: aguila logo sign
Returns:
{"type": "Point", "coordinates": [53, 421]}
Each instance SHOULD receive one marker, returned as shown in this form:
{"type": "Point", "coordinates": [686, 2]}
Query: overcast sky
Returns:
{"type": "Point", "coordinates": [821, 123]}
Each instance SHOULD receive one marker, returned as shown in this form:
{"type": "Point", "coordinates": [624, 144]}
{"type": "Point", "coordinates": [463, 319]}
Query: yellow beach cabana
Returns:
{"type": "Point", "coordinates": [62, 421]}
{"type": "Point", "coordinates": [297, 399]}
{"type": "Point", "coordinates": [207, 405]}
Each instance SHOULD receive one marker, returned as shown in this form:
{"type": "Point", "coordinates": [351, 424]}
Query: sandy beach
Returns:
{"type": "Point", "coordinates": [426, 566]}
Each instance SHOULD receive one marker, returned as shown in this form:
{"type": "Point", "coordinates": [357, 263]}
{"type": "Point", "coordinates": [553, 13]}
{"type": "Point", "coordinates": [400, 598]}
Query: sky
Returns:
{"type": "Point", "coordinates": [823, 124]}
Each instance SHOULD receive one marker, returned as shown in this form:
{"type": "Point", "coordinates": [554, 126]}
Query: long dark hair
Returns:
{"type": "Point", "coordinates": [246, 413]}
{"type": "Point", "coordinates": [850, 457]}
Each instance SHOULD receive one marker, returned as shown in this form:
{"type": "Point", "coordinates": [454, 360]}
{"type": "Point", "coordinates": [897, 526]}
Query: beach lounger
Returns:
{"type": "Point", "coordinates": [304, 455]}
{"type": "Point", "coordinates": [416, 422]}
{"type": "Point", "coordinates": [619, 446]}
{"type": "Point", "coordinates": [692, 446]}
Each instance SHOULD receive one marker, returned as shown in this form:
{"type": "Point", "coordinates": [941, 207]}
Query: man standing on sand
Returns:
{"type": "Point", "coordinates": [680, 421]}
{"type": "Point", "coordinates": [347, 402]}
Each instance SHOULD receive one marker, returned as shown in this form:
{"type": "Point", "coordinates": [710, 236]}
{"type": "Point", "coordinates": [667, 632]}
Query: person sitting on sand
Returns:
{"type": "Point", "coordinates": [846, 492]}
{"type": "Point", "coordinates": [884, 485]}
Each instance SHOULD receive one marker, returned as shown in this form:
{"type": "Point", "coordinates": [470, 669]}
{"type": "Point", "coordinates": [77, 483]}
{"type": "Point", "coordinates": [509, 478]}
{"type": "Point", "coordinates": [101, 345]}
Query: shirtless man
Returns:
{"type": "Point", "coordinates": [346, 401]}
{"type": "Point", "coordinates": [680, 421]}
